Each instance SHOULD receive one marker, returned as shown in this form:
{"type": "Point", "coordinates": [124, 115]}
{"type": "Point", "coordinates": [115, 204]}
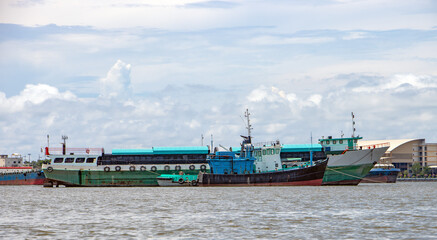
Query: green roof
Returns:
{"type": "Point", "coordinates": [181, 150]}
{"type": "Point", "coordinates": [162, 150]}
{"type": "Point", "coordinates": [301, 148]}
{"type": "Point", "coordinates": [132, 151]}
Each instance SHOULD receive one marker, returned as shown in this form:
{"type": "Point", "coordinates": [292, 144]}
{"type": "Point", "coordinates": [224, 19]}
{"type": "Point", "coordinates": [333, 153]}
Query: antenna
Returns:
{"type": "Point", "coordinates": [311, 139]}
{"type": "Point", "coordinates": [353, 125]}
{"type": "Point", "coordinates": [201, 141]}
{"type": "Point", "coordinates": [64, 137]}
{"type": "Point", "coordinates": [212, 144]}
{"type": "Point", "coordinates": [342, 134]}
{"type": "Point", "coordinates": [311, 151]}
{"type": "Point", "coordinates": [249, 127]}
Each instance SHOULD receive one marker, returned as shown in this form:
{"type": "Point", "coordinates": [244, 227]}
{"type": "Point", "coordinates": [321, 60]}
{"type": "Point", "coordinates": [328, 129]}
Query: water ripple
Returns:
{"type": "Point", "coordinates": [367, 211]}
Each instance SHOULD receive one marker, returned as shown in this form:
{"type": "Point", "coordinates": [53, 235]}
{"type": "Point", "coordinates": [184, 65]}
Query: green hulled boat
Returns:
{"type": "Point", "coordinates": [348, 164]}
{"type": "Point", "coordinates": [122, 168]}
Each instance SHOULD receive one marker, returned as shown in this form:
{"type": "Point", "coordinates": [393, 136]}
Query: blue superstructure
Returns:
{"type": "Point", "coordinates": [231, 163]}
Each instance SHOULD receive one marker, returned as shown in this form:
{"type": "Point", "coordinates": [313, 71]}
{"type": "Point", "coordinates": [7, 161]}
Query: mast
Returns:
{"type": "Point", "coordinates": [249, 127]}
{"type": "Point", "coordinates": [64, 145]}
{"type": "Point", "coordinates": [353, 125]}
{"type": "Point", "coordinates": [212, 145]}
{"type": "Point", "coordinates": [311, 151]}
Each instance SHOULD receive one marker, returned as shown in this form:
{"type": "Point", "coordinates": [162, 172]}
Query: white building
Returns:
{"type": "Point", "coordinates": [14, 161]}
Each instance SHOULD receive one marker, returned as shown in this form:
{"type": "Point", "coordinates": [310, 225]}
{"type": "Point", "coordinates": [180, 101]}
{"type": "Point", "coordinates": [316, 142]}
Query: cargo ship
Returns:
{"type": "Point", "coordinates": [348, 164]}
{"type": "Point", "coordinates": [91, 167]}
{"type": "Point", "coordinates": [13, 172]}
{"type": "Point", "coordinates": [382, 173]}
{"type": "Point", "coordinates": [260, 166]}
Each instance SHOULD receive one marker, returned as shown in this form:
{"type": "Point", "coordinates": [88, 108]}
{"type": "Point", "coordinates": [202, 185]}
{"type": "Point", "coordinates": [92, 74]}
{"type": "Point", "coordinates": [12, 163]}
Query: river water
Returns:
{"type": "Point", "coordinates": [369, 211]}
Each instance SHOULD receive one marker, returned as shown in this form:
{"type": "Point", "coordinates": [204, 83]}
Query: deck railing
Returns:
{"type": "Point", "coordinates": [74, 151]}
{"type": "Point", "coordinates": [370, 146]}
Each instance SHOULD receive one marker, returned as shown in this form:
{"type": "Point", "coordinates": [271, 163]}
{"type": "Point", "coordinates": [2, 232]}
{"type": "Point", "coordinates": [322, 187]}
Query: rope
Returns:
{"type": "Point", "coordinates": [330, 169]}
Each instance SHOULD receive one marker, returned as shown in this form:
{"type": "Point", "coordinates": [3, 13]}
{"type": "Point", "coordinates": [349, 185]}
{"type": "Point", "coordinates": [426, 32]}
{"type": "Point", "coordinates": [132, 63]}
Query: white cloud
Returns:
{"type": "Point", "coordinates": [355, 35]}
{"type": "Point", "coordinates": [295, 15]}
{"type": "Point", "coordinates": [249, 54]}
{"type": "Point", "coordinates": [33, 95]}
{"type": "Point", "coordinates": [117, 81]}
{"type": "Point", "coordinates": [193, 124]}
{"type": "Point", "coordinates": [316, 99]}
{"type": "Point", "coordinates": [400, 83]}
{"type": "Point", "coordinates": [275, 95]}
{"type": "Point", "coordinates": [276, 40]}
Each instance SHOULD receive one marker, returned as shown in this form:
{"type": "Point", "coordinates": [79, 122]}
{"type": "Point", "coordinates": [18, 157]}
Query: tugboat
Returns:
{"type": "Point", "coordinates": [228, 168]}
{"type": "Point", "coordinates": [382, 173]}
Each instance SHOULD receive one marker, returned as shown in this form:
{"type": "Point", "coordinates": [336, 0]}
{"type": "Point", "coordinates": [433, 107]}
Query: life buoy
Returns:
{"type": "Point", "coordinates": [106, 169]}
{"type": "Point", "coordinates": [49, 169]}
{"type": "Point", "coordinates": [142, 168]}
{"type": "Point", "coordinates": [192, 167]}
{"type": "Point", "coordinates": [132, 168]}
{"type": "Point", "coordinates": [177, 168]}
{"type": "Point", "coordinates": [117, 168]}
{"type": "Point", "coordinates": [181, 181]}
{"type": "Point", "coordinates": [203, 167]}
{"type": "Point", "coordinates": [153, 168]}
{"type": "Point", "coordinates": [193, 182]}
{"type": "Point", "coordinates": [167, 168]}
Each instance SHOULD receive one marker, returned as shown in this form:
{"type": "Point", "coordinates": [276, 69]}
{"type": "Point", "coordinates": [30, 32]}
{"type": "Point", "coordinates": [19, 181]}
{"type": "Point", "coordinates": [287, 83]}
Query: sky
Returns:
{"type": "Point", "coordinates": [142, 74]}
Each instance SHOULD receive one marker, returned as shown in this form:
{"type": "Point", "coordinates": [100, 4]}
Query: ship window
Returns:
{"type": "Point", "coordinates": [272, 151]}
{"type": "Point", "coordinates": [69, 160]}
{"type": "Point", "coordinates": [58, 160]}
{"type": "Point", "coordinates": [80, 160]}
{"type": "Point", "coordinates": [264, 152]}
{"type": "Point", "coordinates": [277, 151]}
{"type": "Point", "coordinates": [90, 160]}
{"type": "Point", "coordinates": [334, 141]}
{"type": "Point", "coordinates": [355, 141]}
{"type": "Point", "coordinates": [341, 141]}
{"type": "Point", "coordinates": [327, 142]}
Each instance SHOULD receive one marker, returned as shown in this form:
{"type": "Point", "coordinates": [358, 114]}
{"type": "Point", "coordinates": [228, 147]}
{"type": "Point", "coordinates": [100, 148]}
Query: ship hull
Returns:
{"type": "Point", "coordinates": [351, 167]}
{"type": "Point", "coordinates": [381, 176]}
{"type": "Point", "coordinates": [310, 176]}
{"type": "Point", "coordinates": [29, 178]}
{"type": "Point", "coordinates": [100, 178]}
